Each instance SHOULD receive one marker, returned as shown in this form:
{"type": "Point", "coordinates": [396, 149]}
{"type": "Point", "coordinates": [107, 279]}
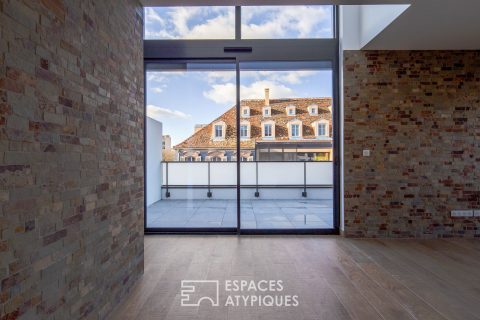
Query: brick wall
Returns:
{"type": "Point", "coordinates": [419, 113]}
{"type": "Point", "coordinates": [71, 156]}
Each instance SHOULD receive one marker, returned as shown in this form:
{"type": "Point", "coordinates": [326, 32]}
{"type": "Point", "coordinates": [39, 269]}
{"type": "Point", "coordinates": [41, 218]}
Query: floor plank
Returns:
{"type": "Point", "coordinates": [334, 277]}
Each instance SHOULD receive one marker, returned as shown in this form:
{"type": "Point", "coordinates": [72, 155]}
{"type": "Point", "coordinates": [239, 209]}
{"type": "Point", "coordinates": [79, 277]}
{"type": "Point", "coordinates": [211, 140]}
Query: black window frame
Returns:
{"type": "Point", "coordinates": [246, 50]}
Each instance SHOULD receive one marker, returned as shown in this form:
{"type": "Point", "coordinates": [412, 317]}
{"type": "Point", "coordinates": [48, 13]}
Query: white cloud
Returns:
{"type": "Point", "coordinates": [222, 93]}
{"type": "Point", "coordinates": [190, 23]}
{"type": "Point", "coordinates": [151, 16]}
{"type": "Point", "coordinates": [226, 93]}
{"type": "Point", "coordinates": [287, 21]}
{"type": "Point", "coordinates": [290, 77]}
{"type": "Point", "coordinates": [157, 81]}
{"type": "Point", "coordinates": [159, 113]}
{"type": "Point", "coordinates": [219, 27]}
{"type": "Point", "coordinates": [219, 22]}
{"type": "Point", "coordinates": [156, 77]}
{"type": "Point", "coordinates": [220, 76]}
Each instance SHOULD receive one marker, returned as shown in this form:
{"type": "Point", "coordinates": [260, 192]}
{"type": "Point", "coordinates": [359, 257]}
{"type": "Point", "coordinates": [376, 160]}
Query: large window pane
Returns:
{"type": "Point", "coordinates": [190, 145]}
{"type": "Point", "coordinates": [288, 184]}
{"type": "Point", "coordinates": [287, 22]}
{"type": "Point", "coordinates": [189, 23]}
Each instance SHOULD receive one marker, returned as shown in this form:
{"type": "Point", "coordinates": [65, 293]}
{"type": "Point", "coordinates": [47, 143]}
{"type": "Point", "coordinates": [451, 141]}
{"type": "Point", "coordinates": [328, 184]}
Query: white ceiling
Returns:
{"type": "Point", "coordinates": [433, 25]}
{"type": "Point", "coordinates": [425, 25]}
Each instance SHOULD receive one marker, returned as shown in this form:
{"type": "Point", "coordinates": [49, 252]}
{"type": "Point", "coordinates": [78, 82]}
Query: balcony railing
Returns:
{"type": "Point", "coordinates": [258, 179]}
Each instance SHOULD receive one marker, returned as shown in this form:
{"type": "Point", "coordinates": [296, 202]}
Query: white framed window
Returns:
{"type": "Point", "coordinates": [313, 110]}
{"type": "Point", "coordinates": [218, 131]}
{"type": "Point", "coordinates": [244, 131]}
{"type": "Point", "coordinates": [267, 111]}
{"type": "Point", "coordinates": [245, 111]}
{"type": "Point", "coordinates": [295, 130]}
{"type": "Point", "coordinates": [290, 110]}
{"type": "Point", "coordinates": [267, 129]}
{"type": "Point", "coordinates": [322, 129]}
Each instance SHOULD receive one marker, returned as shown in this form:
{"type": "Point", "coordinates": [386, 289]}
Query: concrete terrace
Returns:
{"type": "Point", "coordinates": [255, 214]}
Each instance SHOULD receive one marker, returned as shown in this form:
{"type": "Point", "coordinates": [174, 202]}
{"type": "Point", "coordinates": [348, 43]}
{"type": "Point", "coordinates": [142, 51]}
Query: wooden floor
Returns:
{"type": "Point", "coordinates": [334, 277]}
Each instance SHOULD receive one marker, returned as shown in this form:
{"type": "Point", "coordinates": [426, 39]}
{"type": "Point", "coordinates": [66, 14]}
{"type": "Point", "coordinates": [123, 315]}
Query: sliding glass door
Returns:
{"type": "Point", "coordinates": [286, 145]}
{"type": "Point", "coordinates": [191, 139]}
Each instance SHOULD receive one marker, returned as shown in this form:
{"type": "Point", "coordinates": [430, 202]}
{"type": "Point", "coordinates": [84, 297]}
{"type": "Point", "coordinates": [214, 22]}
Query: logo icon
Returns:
{"type": "Point", "coordinates": [193, 292]}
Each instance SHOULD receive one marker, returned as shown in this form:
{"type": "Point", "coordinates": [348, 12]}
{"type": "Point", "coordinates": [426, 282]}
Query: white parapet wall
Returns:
{"type": "Point", "coordinates": [154, 158]}
{"type": "Point", "coordinates": [275, 180]}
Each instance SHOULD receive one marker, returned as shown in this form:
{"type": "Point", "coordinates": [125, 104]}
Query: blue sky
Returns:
{"type": "Point", "coordinates": [182, 99]}
{"type": "Point", "coordinates": [257, 22]}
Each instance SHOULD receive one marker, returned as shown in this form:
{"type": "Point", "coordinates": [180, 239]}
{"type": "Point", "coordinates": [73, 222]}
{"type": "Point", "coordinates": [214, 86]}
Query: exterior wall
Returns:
{"type": "Point", "coordinates": [154, 161]}
{"type": "Point", "coordinates": [71, 156]}
{"type": "Point", "coordinates": [167, 142]}
{"type": "Point", "coordinates": [419, 114]}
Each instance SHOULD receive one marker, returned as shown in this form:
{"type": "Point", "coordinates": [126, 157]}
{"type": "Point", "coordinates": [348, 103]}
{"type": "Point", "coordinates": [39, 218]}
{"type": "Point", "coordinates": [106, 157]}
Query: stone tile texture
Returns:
{"type": "Point", "coordinates": [419, 114]}
{"type": "Point", "coordinates": [71, 156]}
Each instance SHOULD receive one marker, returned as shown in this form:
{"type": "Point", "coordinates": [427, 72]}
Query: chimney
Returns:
{"type": "Point", "coordinates": [267, 96]}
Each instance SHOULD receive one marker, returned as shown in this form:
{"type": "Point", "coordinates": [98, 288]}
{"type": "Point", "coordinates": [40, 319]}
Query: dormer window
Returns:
{"type": "Point", "coordinates": [321, 128]}
{"type": "Point", "coordinates": [295, 129]}
{"type": "Point", "coordinates": [268, 129]}
{"type": "Point", "coordinates": [267, 111]}
{"type": "Point", "coordinates": [313, 110]}
{"type": "Point", "coordinates": [219, 129]}
{"type": "Point", "coordinates": [290, 111]}
{"type": "Point", "coordinates": [245, 112]}
{"type": "Point", "coordinates": [244, 130]}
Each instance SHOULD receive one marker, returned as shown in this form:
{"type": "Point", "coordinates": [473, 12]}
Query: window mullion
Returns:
{"type": "Point", "coordinates": [238, 22]}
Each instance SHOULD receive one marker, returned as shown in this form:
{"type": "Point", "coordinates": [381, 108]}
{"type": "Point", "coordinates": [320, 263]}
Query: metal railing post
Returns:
{"type": "Point", "coordinates": [167, 193]}
{"type": "Point", "coordinates": [257, 194]}
{"type": "Point", "coordinates": [304, 193]}
{"type": "Point", "coordinates": [209, 193]}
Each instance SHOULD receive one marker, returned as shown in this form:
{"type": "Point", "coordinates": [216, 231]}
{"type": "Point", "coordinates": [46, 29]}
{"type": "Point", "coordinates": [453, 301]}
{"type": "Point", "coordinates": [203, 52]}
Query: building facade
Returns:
{"type": "Point", "coordinates": [295, 129]}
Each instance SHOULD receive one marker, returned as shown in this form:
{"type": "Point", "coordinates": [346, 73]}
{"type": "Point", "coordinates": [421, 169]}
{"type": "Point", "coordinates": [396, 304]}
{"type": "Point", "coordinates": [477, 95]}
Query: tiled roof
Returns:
{"type": "Point", "coordinates": [202, 139]}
